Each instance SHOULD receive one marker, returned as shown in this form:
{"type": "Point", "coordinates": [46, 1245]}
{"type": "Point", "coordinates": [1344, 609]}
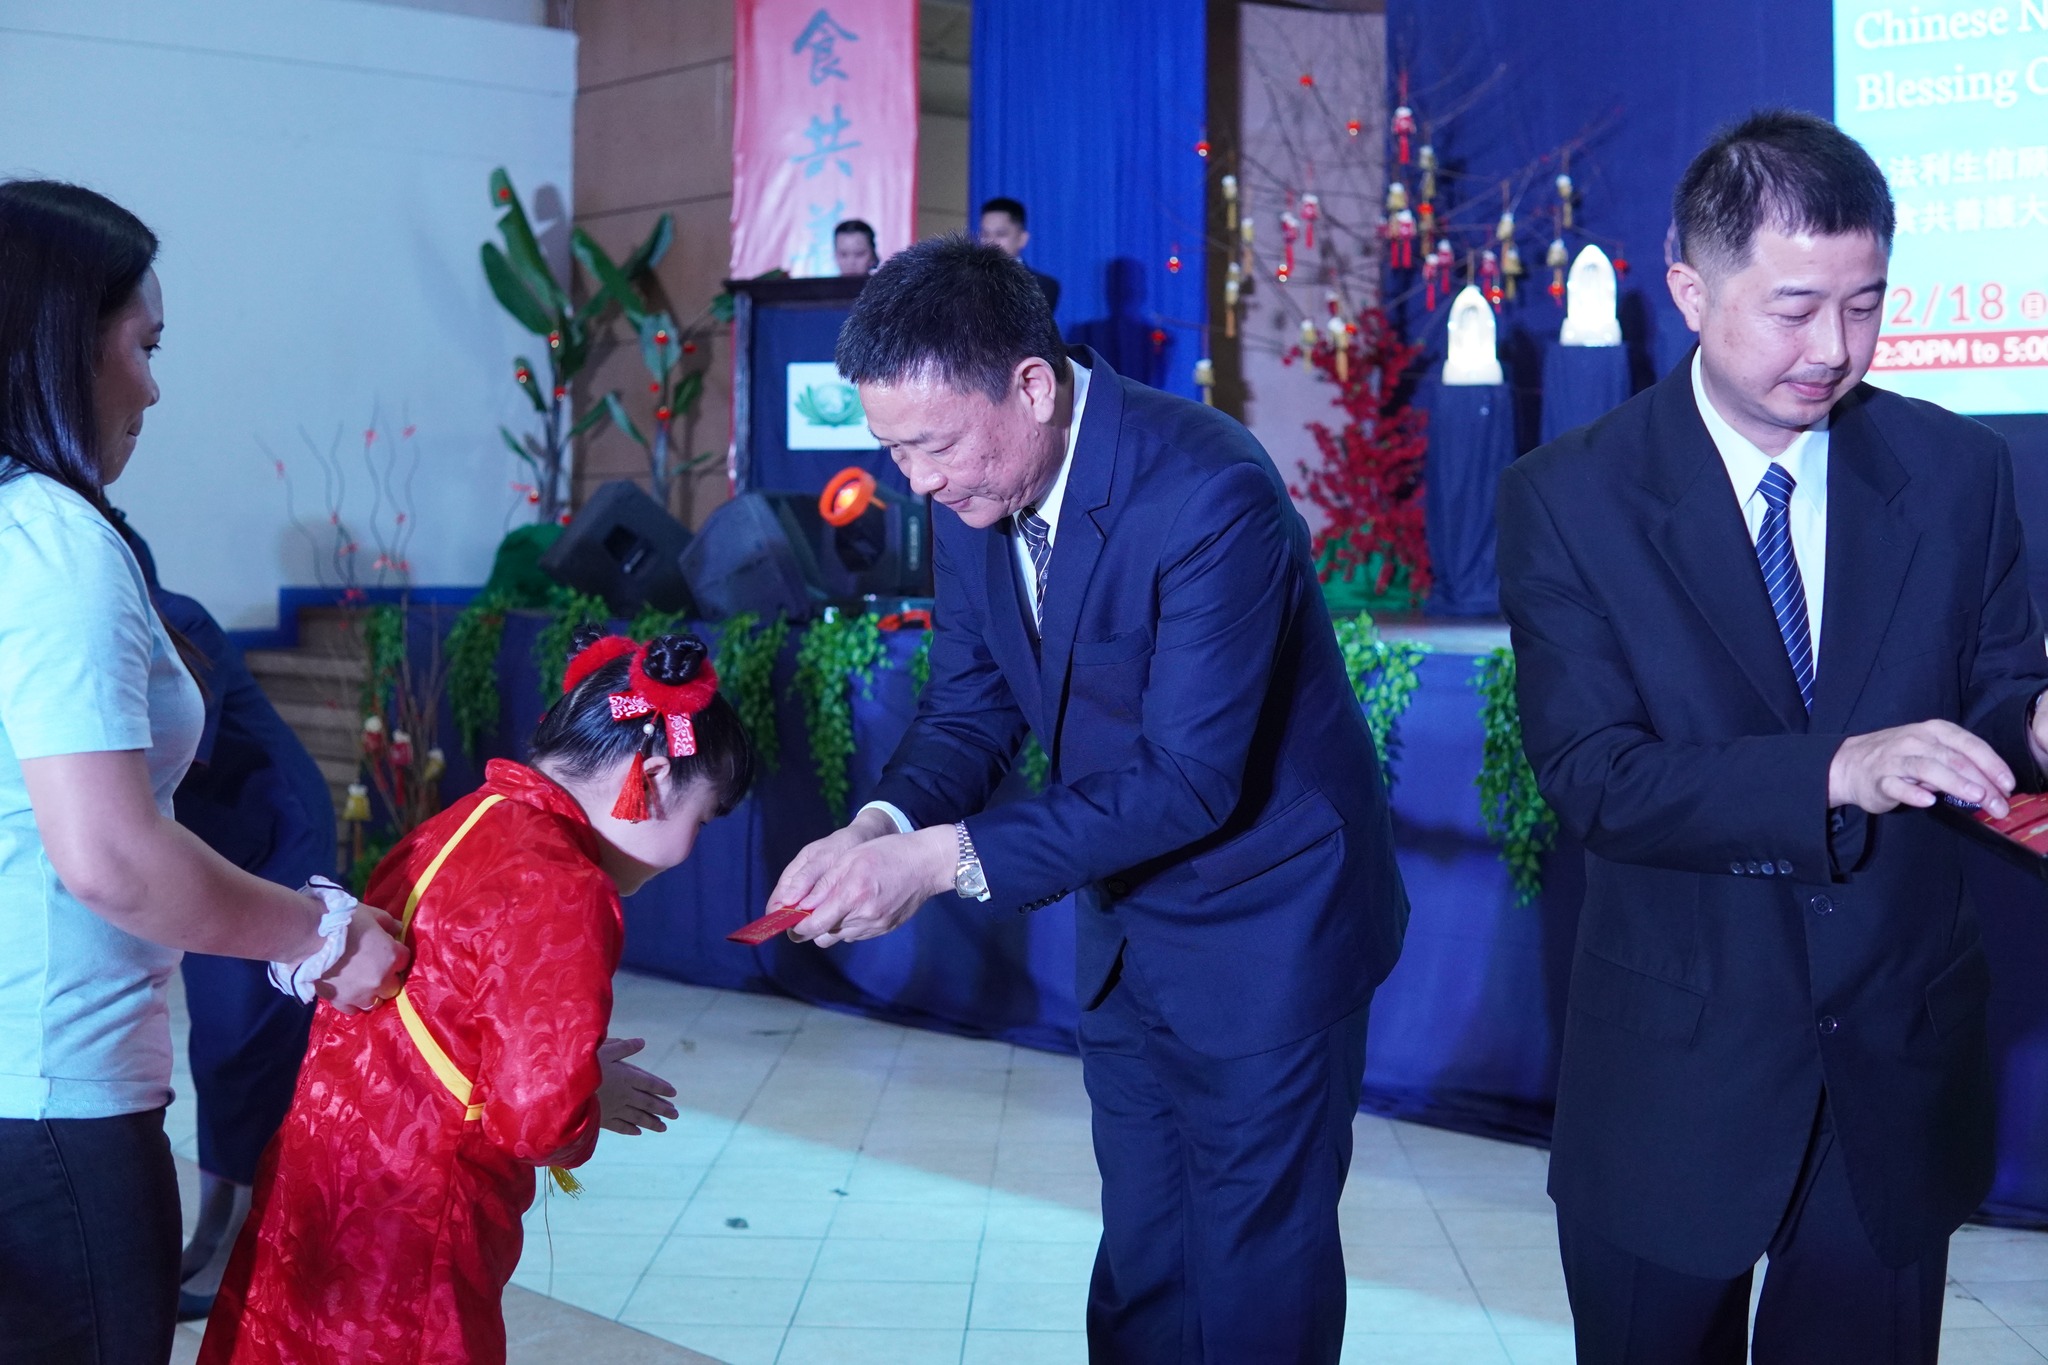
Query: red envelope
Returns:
{"type": "Point", "coordinates": [769, 925]}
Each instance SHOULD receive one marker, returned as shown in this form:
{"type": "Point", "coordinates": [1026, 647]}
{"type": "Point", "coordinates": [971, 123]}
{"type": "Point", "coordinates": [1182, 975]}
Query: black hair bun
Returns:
{"type": "Point", "coordinates": [583, 638]}
{"type": "Point", "coordinates": [673, 660]}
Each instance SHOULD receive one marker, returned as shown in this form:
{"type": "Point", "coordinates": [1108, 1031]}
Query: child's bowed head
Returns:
{"type": "Point", "coordinates": [646, 721]}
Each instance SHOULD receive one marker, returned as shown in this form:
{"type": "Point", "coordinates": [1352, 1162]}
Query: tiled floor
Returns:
{"type": "Point", "coordinates": [845, 1191]}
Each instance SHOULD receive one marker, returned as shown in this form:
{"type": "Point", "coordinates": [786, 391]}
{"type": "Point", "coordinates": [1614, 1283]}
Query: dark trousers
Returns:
{"type": "Point", "coordinates": [1220, 1179]}
{"type": "Point", "coordinates": [1827, 1299]}
{"type": "Point", "coordinates": [89, 1234]}
{"type": "Point", "coordinates": [248, 1039]}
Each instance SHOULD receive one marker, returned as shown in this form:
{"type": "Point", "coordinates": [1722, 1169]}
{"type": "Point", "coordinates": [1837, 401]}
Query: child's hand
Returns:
{"type": "Point", "coordinates": [628, 1098]}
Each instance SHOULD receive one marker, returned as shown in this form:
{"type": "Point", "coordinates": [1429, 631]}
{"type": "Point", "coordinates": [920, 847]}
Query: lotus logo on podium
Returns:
{"type": "Point", "coordinates": [824, 410]}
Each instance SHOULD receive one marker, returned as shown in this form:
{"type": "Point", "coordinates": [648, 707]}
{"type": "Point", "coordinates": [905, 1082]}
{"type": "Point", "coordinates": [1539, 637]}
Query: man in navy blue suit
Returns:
{"type": "Point", "coordinates": [1766, 616]}
{"type": "Point", "coordinates": [1121, 573]}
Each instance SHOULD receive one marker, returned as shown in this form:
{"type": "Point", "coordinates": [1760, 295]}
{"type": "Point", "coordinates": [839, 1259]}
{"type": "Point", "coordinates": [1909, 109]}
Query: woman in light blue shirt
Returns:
{"type": "Point", "coordinates": [100, 889]}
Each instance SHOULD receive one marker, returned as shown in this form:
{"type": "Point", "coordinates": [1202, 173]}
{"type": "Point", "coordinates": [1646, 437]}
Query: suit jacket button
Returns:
{"type": "Point", "coordinates": [1754, 868]}
{"type": "Point", "coordinates": [1828, 1023]}
{"type": "Point", "coordinates": [1784, 868]}
{"type": "Point", "coordinates": [1821, 905]}
{"type": "Point", "coordinates": [1117, 886]}
{"type": "Point", "coordinates": [1736, 868]}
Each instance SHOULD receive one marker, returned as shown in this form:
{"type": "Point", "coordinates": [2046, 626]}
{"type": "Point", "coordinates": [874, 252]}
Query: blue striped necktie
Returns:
{"type": "Point", "coordinates": [1037, 533]}
{"type": "Point", "coordinates": [1781, 577]}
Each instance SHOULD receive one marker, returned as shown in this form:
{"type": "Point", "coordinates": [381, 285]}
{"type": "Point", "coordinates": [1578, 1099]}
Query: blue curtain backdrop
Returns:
{"type": "Point", "coordinates": [1088, 111]}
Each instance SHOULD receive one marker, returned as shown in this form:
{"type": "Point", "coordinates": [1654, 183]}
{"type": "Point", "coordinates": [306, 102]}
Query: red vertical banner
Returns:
{"type": "Point", "coordinates": [824, 129]}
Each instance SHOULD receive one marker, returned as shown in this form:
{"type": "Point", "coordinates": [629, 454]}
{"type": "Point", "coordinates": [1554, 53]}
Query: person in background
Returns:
{"type": "Point", "coordinates": [100, 887]}
{"type": "Point", "coordinates": [853, 247]}
{"type": "Point", "coordinates": [1765, 618]}
{"type": "Point", "coordinates": [259, 800]}
{"type": "Point", "coordinates": [1002, 226]}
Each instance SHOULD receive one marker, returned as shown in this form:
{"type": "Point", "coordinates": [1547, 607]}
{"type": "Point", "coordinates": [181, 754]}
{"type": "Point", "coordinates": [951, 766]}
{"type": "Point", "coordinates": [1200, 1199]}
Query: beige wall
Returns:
{"type": "Point", "coordinates": [654, 135]}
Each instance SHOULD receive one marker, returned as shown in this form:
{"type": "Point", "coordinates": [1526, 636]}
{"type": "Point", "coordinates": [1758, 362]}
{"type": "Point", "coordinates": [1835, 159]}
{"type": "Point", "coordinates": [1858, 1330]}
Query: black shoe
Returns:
{"type": "Point", "coordinates": [194, 1307]}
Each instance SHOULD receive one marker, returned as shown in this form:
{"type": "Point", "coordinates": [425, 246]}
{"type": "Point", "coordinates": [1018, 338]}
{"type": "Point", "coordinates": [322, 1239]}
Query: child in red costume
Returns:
{"type": "Point", "coordinates": [386, 1219]}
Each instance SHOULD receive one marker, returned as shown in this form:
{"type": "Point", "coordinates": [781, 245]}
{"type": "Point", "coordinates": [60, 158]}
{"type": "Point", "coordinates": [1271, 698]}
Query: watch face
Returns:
{"type": "Point", "coordinates": [970, 881]}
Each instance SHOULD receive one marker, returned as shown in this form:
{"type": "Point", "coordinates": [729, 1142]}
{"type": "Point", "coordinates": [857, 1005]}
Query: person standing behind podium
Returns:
{"type": "Point", "coordinates": [1002, 226]}
{"type": "Point", "coordinates": [1765, 616]}
{"type": "Point", "coordinates": [1121, 572]}
{"type": "Point", "coordinates": [853, 248]}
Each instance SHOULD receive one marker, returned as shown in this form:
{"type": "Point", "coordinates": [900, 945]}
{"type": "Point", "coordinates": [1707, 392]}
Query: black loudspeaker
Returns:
{"type": "Point", "coordinates": [754, 555]}
{"type": "Point", "coordinates": [623, 546]}
{"type": "Point", "coordinates": [886, 551]}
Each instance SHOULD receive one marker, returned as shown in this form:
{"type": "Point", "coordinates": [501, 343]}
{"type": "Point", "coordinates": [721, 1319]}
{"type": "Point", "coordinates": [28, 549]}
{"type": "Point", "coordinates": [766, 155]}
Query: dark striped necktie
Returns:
{"type": "Point", "coordinates": [1781, 577]}
{"type": "Point", "coordinates": [1037, 533]}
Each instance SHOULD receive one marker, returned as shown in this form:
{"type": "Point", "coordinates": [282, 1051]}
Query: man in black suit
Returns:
{"type": "Point", "coordinates": [1766, 617]}
{"type": "Point", "coordinates": [1002, 227]}
{"type": "Point", "coordinates": [1120, 573]}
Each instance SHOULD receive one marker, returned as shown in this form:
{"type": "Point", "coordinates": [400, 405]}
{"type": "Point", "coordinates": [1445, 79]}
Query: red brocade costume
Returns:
{"type": "Point", "coordinates": [386, 1219]}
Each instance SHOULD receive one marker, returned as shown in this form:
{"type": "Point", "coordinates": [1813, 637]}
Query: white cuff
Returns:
{"type": "Point", "coordinates": [338, 908]}
{"type": "Point", "coordinates": [896, 817]}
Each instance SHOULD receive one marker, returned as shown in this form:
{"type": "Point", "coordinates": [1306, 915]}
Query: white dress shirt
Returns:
{"type": "Point", "coordinates": [1806, 460]}
{"type": "Point", "coordinates": [1048, 508]}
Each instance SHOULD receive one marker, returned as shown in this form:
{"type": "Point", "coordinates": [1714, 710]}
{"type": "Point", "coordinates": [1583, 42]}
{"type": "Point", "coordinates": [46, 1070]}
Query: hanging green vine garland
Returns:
{"type": "Point", "coordinates": [747, 652]}
{"type": "Point", "coordinates": [472, 654]}
{"type": "Point", "coordinates": [1511, 808]}
{"type": "Point", "coordinates": [1033, 763]}
{"type": "Point", "coordinates": [835, 652]}
{"type": "Point", "coordinates": [383, 655]}
{"type": "Point", "coordinates": [567, 609]}
{"type": "Point", "coordinates": [921, 665]}
{"type": "Point", "coordinates": [651, 622]}
{"type": "Point", "coordinates": [1384, 678]}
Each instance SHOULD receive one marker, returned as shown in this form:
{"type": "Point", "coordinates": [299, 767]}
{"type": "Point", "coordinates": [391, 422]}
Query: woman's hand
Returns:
{"type": "Point", "coordinates": [628, 1098]}
{"type": "Point", "coordinates": [372, 967]}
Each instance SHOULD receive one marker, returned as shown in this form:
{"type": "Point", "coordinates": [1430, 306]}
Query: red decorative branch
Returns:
{"type": "Point", "coordinates": [1369, 486]}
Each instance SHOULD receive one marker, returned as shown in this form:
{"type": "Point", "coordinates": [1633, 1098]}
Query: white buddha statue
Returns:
{"type": "Point", "coordinates": [1589, 302]}
{"type": "Point", "coordinates": [1475, 354]}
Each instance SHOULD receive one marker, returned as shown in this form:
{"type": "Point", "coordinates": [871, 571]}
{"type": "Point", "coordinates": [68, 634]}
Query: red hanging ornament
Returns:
{"type": "Point", "coordinates": [689, 348]}
{"type": "Point", "coordinates": [1352, 127]}
{"type": "Point", "coordinates": [1489, 279]}
{"type": "Point", "coordinates": [1202, 149]}
{"type": "Point", "coordinates": [661, 414]}
{"type": "Point", "coordinates": [1403, 129]}
{"type": "Point", "coordinates": [1311, 208]}
{"type": "Point", "coordinates": [1290, 230]}
{"type": "Point", "coordinates": [1173, 264]}
{"type": "Point", "coordinates": [1307, 79]}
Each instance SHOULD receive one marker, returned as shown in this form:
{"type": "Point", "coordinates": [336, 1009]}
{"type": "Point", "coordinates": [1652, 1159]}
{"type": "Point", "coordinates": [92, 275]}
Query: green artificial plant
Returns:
{"type": "Point", "coordinates": [1511, 807]}
{"type": "Point", "coordinates": [836, 652]}
{"type": "Point", "coordinates": [525, 286]}
{"type": "Point", "coordinates": [1384, 678]}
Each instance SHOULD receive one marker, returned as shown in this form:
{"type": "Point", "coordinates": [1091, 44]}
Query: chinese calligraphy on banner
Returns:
{"type": "Point", "coordinates": [824, 129]}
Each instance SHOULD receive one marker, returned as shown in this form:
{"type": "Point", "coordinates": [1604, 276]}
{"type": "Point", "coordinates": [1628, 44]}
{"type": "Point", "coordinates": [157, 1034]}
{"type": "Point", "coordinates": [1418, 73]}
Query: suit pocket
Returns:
{"type": "Point", "coordinates": [1956, 998]}
{"type": "Point", "coordinates": [1119, 648]}
{"type": "Point", "coordinates": [1636, 1001]}
{"type": "Point", "coordinates": [1285, 834]}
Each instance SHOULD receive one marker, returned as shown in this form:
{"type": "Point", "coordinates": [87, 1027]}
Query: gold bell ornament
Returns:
{"type": "Point", "coordinates": [1233, 290]}
{"type": "Point", "coordinates": [1340, 342]}
{"type": "Point", "coordinates": [1510, 258]}
{"type": "Point", "coordinates": [356, 810]}
{"type": "Point", "coordinates": [1557, 258]}
{"type": "Point", "coordinates": [1308, 337]}
{"type": "Point", "coordinates": [1230, 203]}
{"type": "Point", "coordinates": [1205, 380]}
{"type": "Point", "coordinates": [1426, 159]}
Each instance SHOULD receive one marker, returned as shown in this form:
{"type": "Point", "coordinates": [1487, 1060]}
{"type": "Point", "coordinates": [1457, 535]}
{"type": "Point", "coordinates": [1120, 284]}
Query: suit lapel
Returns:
{"type": "Point", "coordinates": [1870, 546]}
{"type": "Point", "coordinates": [1078, 544]}
{"type": "Point", "coordinates": [1009, 638]}
{"type": "Point", "coordinates": [1707, 544]}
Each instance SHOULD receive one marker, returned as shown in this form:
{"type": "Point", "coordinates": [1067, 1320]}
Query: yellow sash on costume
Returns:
{"type": "Point", "coordinates": [430, 1049]}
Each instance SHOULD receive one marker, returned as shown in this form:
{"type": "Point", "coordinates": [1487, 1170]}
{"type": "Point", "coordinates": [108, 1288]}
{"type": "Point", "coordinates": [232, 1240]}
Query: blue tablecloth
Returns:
{"type": "Point", "coordinates": [1471, 440]}
{"type": "Point", "coordinates": [1464, 1033]}
{"type": "Point", "coordinates": [1581, 384]}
